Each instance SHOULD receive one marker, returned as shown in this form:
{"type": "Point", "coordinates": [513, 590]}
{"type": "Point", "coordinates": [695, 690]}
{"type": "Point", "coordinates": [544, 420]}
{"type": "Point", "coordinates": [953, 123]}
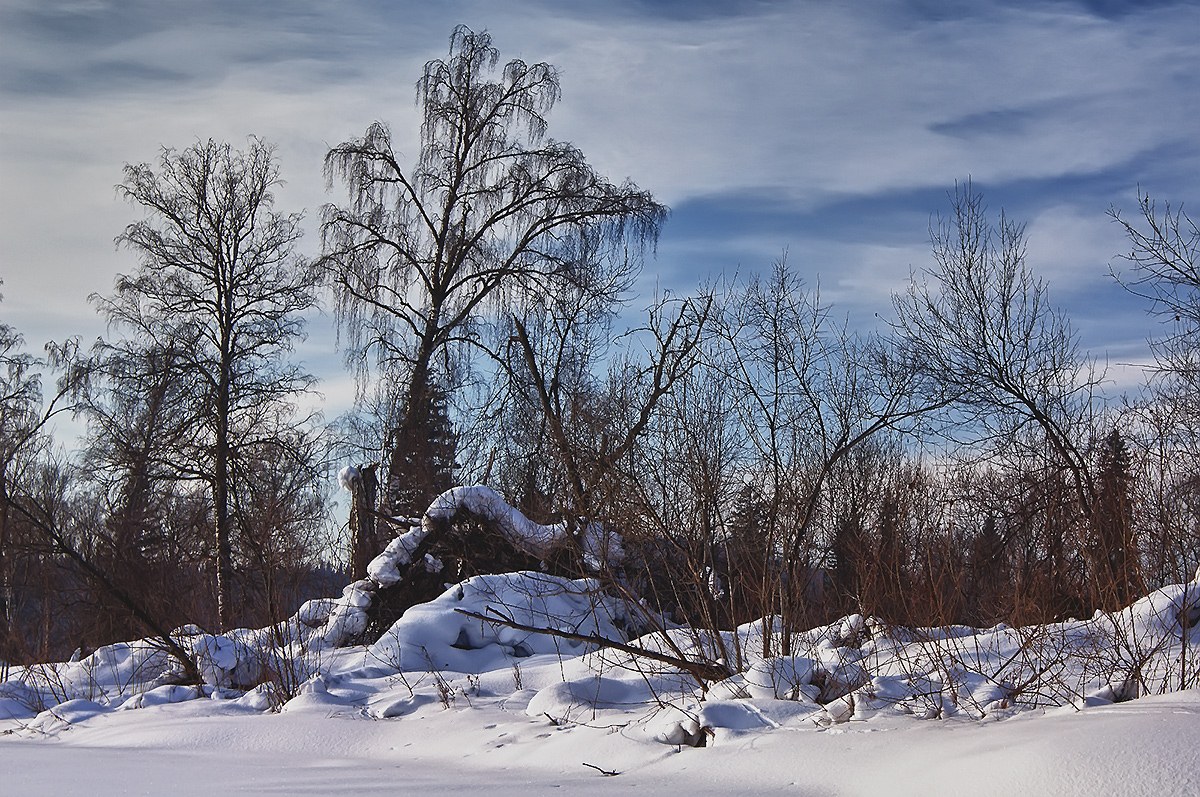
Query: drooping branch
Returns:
{"type": "Point", "coordinates": [704, 672]}
{"type": "Point", "coordinates": [490, 214]}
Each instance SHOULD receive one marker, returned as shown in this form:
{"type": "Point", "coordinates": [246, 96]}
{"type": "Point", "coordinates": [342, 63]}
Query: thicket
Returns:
{"type": "Point", "coordinates": [757, 458]}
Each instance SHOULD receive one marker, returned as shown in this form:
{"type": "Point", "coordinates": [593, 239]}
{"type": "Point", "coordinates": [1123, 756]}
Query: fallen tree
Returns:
{"type": "Point", "coordinates": [466, 531]}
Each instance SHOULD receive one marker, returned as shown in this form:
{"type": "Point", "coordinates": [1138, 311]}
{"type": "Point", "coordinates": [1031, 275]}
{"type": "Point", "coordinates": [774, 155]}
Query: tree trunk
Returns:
{"type": "Point", "coordinates": [364, 545]}
{"type": "Point", "coordinates": [221, 488]}
{"type": "Point", "coordinates": [6, 588]}
{"type": "Point", "coordinates": [421, 449]}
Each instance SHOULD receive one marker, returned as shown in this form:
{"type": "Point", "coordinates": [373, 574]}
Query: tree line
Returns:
{"type": "Point", "coordinates": [757, 457]}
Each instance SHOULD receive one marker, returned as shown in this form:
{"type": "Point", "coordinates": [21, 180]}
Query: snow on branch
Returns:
{"type": "Point", "coordinates": [346, 617]}
{"type": "Point", "coordinates": [598, 546]}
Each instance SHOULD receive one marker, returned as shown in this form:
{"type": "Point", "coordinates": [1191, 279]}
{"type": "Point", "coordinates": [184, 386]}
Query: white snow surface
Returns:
{"type": "Point", "coordinates": [449, 703]}
{"type": "Point", "coordinates": [437, 636]}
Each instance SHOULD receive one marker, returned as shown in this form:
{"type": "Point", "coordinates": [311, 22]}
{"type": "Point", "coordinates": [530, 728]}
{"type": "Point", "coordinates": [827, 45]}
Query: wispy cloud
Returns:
{"type": "Point", "coordinates": [830, 130]}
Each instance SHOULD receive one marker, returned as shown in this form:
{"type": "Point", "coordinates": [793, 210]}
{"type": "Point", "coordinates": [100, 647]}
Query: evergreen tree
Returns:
{"type": "Point", "coordinates": [749, 558]}
{"type": "Point", "coordinates": [1116, 571]}
{"type": "Point", "coordinates": [423, 454]}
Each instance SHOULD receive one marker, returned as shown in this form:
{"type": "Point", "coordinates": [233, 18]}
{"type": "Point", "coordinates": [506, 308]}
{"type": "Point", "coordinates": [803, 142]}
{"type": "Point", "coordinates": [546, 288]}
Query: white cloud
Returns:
{"type": "Point", "coordinates": [1071, 247]}
{"type": "Point", "coordinates": [809, 102]}
{"type": "Point", "coordinates": [819, 100]}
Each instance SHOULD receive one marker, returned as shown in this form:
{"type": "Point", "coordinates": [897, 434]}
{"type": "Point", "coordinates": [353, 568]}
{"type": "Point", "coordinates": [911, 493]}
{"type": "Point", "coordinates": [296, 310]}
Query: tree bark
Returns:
{"type": "Point", "coordinates": [364, 545]}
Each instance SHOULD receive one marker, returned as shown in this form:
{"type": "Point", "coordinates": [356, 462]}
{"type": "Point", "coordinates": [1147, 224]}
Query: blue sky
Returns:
{"type": "Point", "coordinates": [831, 130]}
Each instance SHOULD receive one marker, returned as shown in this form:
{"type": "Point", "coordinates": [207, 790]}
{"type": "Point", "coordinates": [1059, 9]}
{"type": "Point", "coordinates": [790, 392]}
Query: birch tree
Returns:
{"type": "Point", "coordinates": [221, 287]}
{"type": "Point", "coordinates": [490, 211]}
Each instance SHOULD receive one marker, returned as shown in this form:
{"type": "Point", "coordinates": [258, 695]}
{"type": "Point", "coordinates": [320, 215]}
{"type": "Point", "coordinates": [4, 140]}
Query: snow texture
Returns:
{"type": "Point", "coordinates": [1108, 703]}
{"type": "Point", "coordinates": [349, 477]}
{"type": "Point", "coordinates": [1042, 709]}
{"type": "Point", "coordinates": [439, 636]}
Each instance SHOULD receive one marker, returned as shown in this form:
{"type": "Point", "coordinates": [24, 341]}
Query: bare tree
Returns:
{"type": "Point", "coordinates": [981, 329]}
{"type": "Point", "coordinates": [1020, 396]}
{"type": "Point", "coordinates": [20, 405]}
{"type": "Point", "coordinates": [490, 211]}
{"type": "Point", "coordinates": [280, 508]}
{"type": "Point", "coordinates": [221, 286]}
{"type": "Point", "coordinates": [811, 395]}
{"type": "Point", "coordinates": [140, 416]}
{"type": "Point", "coordinates": [551, 403]}
{"type": "Point", "coordinates": [25, 415]}
{"type": "Point", "coordinates": [1164, 269]}
{"type": "Point", "coordinates": [1165, 259]}
{"type": "Point", "coordinates": [594, 428]}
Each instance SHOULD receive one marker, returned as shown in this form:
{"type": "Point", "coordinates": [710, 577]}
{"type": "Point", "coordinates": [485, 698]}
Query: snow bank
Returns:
{"type": "Point", "coordinates": [852, 670]}
{"type": "Point", "coordinates": [427, 637]}
{"type": "Point", "coordinates": [462, 649]}
{"type": "Point", "coordinates": [439, 636]}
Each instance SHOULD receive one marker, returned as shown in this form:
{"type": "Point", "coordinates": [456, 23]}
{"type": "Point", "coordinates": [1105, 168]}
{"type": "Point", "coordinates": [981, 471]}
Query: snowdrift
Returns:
{"type": "Point", "coordinates": [473, 647]}
{"type": "Point", "coordinates": [853, 669]}
{"type": "Point", "coordinates": [333, 622]}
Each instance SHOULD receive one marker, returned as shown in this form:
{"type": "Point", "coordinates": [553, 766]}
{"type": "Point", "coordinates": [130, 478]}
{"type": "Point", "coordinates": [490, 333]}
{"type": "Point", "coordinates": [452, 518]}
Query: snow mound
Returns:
{"type": "Point", "coordinates": [332, 623]}
{"type": "Point", "coordinates": [781, 678]}
{"type": "Point", "coordinates": [440, 635]}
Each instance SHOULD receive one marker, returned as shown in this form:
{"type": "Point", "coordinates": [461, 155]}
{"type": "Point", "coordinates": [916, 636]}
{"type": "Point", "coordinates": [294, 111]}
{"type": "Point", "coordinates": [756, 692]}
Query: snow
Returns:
{"type": "Point", "coordinates": [349, 477]}
{"type": "Point", "coordinates": [332, 623]}
{"type": "Point", "coordinates": [448, 704]}
{"type": "Point", "coordinates": [534, 538]}
{"type": "Point", "coordinates": [459, 695]}
{"type": "Point", "coordinates": [441, 635]}
{"type": "Point", "coordinates": [1146, 747]}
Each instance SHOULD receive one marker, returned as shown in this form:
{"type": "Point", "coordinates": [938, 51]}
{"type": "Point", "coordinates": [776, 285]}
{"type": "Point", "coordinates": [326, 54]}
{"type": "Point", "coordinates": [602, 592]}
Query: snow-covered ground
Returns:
{"type": "Point", "coordinates": [446, 703]}
{"type": "Point", "coordinates": [205, 747]}
{"type": "Point", "coordinates": [464, 693]}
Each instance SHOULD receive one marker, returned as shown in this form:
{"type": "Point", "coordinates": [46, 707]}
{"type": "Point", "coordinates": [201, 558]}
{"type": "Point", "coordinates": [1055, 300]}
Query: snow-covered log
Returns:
{"type": "Point", "coordinates": [598, 546]}
{"type": "Point", "coordinates": [346, 617]}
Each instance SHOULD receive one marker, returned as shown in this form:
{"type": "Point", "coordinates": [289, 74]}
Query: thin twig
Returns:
{"type": "Point", "coordinates": [702, 671]}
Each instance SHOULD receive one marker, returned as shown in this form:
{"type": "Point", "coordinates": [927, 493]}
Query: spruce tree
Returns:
{"type": "Point", "coordinates": [1116, 575]}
